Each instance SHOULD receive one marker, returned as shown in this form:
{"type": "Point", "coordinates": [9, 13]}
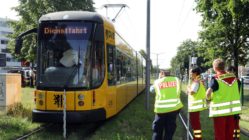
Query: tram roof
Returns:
{"type": "Point", "coordinates": [73, 15]}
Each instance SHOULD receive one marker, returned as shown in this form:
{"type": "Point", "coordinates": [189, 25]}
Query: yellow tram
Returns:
{"type": "Point", "coordinates": [80, 52]}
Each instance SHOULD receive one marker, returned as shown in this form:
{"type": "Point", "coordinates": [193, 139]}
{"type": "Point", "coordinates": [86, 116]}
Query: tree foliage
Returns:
{"type": "Point", "coordinates": [30, 11]}
{"type": "Point", "coordinates": [225, 30]}
{"type": "Point", "coordinates": [188, 48]}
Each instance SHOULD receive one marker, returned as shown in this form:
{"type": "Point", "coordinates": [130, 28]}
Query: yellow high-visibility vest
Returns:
{"type": "Point", "coordinates": [226, 100]}
{"type": "Point", "coordinates": [197, 101]}
{"type": "Point", "coordinates": [167, 95]}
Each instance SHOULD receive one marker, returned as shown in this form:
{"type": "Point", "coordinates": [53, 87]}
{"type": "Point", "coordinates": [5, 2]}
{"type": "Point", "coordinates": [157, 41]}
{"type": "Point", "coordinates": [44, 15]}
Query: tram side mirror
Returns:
{"type": "Point", "coordinates": [18, 45]}
{"type": "Point", "coordinates": [19, 40]}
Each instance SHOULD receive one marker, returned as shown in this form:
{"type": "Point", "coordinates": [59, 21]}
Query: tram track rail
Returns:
{"type": "Point", "coordinates": [244, 132]}
{"type": "Point", "coordinates": [78, 131]}
{"type": "Point", "coordinates": [183, 119]}
{"type": "Point", "coordinates": [32, 132]}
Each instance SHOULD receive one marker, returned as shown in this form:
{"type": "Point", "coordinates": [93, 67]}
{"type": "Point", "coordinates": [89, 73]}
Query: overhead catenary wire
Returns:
{"type": "Point", "coordinates": [114, 10]}
{"type": "Point", "coordinates": [185, 19]}
{"type": "Point", "coordinates": [127, 24]}
{"type": "Point", "coordinates": [179, 16]}
{"type": "Point", "coordinates": [111, 8]}
{"type": "Point", "coordinates": [119, 12]}
{"type": "Point", "coordinates": [133, 30]}
{"type": "Point", "coordinates": [131, 23]}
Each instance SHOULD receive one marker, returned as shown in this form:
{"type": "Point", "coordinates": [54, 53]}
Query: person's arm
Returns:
{"type": "Point", "coordinates": [212, 87]}
{"type": "Point", "coordinates": [194, 88]}
{"type": "Point", "coordinates": [208, 94]}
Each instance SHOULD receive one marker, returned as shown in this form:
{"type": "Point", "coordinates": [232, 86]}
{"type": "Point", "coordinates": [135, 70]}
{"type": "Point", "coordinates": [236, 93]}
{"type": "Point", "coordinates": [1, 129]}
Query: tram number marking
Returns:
{"type": "Point", "coordinates": [58, 100]}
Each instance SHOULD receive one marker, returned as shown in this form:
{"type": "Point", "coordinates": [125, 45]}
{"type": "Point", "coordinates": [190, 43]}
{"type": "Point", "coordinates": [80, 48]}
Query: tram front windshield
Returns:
{"type": "Point", "coordinates": [64, 54]}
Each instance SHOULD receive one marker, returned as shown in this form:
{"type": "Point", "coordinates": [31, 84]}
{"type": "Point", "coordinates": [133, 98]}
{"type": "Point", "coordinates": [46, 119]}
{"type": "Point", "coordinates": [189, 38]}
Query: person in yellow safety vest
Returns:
{"type": "Point", "coordinates": [196, 101]}
{"type": "Point", "coordinates": [167, 106]}
{"type": "Point", "coordinates": [223, 92]}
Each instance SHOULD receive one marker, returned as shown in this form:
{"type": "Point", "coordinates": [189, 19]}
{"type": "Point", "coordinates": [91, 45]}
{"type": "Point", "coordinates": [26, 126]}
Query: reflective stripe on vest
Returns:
{"type": "Point", "coordinates": [197, 101]}
{"type": "Point", "coordinates": [224, 108]}
{"type": "Point", "coordinates": [197, 105]}
{"type": "Point", "coordinates": [167, 103]}
{"type": "Point", "coordinates": [226, 100]}
{"type": "Point", "coordinates": [167, 95]}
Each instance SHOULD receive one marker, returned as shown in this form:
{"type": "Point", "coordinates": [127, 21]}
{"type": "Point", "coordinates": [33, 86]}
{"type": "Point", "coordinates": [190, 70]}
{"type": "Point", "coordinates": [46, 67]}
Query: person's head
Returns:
{"type": "Point", "coordinates": [161, 74]}
{"type": "Point", "coordinates": [196, 71]}
{"type": "Point", "coordinates": [164, 73]}
{"type": "Point", "coordinates": [218, 65]}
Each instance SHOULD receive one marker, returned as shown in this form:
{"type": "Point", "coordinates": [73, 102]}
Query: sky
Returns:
{"type": "Point", "coordinates": [172, 22]}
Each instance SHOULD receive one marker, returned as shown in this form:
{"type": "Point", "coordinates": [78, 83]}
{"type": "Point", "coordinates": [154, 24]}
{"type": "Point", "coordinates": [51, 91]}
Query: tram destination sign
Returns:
{"type": "Point", "coordinates": [65, 30]}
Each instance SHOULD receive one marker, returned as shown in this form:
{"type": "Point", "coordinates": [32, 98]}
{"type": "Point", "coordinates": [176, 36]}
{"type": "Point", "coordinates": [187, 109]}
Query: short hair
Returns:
{"type": "Point", "coordinates": [196, 70]}
{"type": "Point", "coordinates": [219, 64]}
{"type": "Point", "coordinates": [165, 72]}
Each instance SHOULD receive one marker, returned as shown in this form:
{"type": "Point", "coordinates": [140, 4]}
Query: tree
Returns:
{"type": "Point", "coordinates": [225, 29]}
{"type": "Point", "coordinates": [30, 11]}
{"type": "Point", "coordinates": [180, 62]}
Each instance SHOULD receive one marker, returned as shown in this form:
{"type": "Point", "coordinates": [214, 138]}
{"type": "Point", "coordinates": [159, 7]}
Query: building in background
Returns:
{"type": "Point", "coordinates": [6, 60]}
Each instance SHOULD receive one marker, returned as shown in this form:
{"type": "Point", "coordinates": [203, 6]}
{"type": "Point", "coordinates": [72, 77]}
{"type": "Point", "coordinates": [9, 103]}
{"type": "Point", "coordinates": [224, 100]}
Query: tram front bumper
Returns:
{"type": "Point", "coordinates": [71, 116]}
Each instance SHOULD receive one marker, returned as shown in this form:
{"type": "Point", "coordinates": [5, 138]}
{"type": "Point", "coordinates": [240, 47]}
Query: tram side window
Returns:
{"type": "Point", "coordinates": [140, 68]}
{"type": "Point", "coordinates": [111, 65]}
{"type": "Point", "coordinates": [125, 68]}
{"type": "Point", "coordinates": [129, 70]}
{"type": "Point", "coordinates": [98, 64]}
{"type": "Point", "coordinates": [118, 67]}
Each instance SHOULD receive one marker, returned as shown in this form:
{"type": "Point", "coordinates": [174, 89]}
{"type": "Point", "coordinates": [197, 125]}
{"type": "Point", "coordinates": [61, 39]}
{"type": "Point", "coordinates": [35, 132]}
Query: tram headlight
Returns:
{"type": "Point", "coordinates": [80, 96]}
{"type": "Point", "coordinates": [80, 103]}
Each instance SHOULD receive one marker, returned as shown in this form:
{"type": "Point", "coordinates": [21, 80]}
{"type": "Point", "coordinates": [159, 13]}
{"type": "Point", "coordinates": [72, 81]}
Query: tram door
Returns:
{"type": "Point", "coordinates": [111, 78]}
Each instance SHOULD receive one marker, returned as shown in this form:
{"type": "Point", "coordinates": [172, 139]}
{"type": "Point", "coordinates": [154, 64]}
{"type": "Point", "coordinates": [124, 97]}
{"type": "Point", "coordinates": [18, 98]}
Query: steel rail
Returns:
{"type": "Point", "coordinates": [185, 125]}
{"type": "Point", "coordinates": [24, 137]}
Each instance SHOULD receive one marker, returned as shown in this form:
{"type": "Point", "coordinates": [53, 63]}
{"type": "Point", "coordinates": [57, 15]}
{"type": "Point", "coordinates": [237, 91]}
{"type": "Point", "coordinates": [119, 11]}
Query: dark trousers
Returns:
{"type": "Point", "coordinates": [164, 126]}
